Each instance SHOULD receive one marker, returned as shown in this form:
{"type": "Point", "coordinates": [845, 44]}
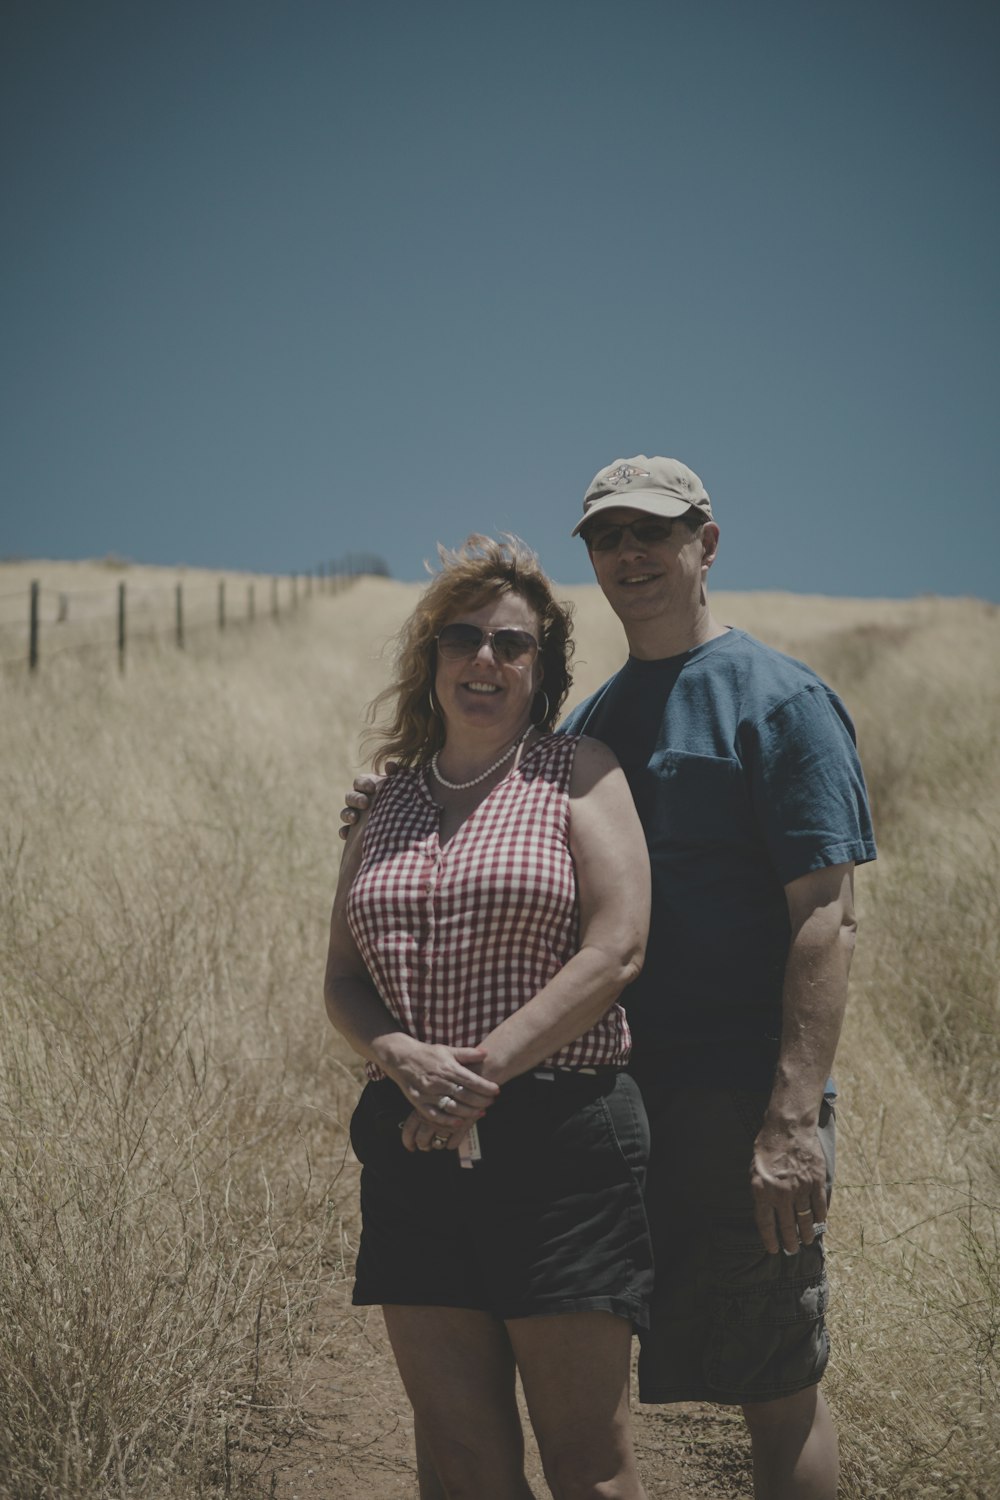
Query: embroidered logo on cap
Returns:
{"type": "Point", "coordinates": [615, 479]}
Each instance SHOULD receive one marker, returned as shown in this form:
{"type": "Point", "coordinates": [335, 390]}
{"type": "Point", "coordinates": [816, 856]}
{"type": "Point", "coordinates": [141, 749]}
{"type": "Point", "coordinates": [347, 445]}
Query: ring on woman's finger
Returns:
{"type": "Point", "coordinates": [445, 1101]}
{"type": "Point", "coordinates": [803, 1213]}
{"type": "Point", "coordinates": [438, 1142]}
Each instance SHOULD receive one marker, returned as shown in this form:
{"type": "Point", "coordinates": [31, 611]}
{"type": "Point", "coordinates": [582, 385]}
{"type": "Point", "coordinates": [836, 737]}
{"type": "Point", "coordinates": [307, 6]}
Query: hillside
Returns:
{"type": "Point", "coordinates": [177, 1196]}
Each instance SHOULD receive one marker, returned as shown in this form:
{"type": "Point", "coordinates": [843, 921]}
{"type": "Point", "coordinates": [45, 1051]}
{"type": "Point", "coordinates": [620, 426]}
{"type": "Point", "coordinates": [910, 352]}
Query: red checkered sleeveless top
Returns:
{"type": "Point", "coordinates": [457, 938]}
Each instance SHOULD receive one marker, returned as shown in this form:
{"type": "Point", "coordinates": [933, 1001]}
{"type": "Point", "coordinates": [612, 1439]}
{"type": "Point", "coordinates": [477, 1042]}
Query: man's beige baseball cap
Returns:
{"type": "Point", "coordinates": [656, 486]}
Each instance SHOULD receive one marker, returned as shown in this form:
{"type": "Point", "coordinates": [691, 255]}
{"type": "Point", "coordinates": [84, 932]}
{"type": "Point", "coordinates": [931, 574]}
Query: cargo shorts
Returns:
{"type": "Point", "coordinates": [729, 1323]}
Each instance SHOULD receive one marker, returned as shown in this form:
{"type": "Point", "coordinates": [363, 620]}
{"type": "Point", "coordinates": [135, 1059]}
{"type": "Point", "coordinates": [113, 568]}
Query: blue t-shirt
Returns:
{"type": "Point", "coordinates": [743, 767]}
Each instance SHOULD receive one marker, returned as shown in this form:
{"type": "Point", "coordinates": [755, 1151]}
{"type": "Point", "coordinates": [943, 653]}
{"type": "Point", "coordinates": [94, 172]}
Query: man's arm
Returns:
{"type": "Point", "coordinates": [788, 1172]}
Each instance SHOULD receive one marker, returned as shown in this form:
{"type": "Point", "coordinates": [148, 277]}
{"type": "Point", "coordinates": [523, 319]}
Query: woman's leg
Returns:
{"type": "Point", "coordinates": [429, 1486]}
{"type": "Point", "coordinates": [428, 1483]}
{"type": "Point", "coordinates": [575, 1371]}
{"type": "Point", "coordinates": [458, 1370]}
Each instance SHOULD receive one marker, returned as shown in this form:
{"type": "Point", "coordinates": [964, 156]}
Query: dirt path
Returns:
{"type": "Point", "coordinates": [358, 1440]}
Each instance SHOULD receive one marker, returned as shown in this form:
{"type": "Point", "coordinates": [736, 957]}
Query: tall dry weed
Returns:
{"type": "Point", "coordinates": [917, 1207]}
{"type": "Point", "coordinates": [169, 1148]}
{"type": "Point", "coordinates": [173, 1109]}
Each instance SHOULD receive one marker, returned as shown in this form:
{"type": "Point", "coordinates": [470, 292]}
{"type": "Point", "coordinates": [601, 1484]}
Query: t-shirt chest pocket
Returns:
{"type": "Point", "coordinates": [700, 800]}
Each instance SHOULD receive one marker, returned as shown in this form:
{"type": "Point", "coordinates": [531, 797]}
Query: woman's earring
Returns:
{"type": "Point", "coordinates": [545, 715]}
{"type": "Point", "coordinates": [431, 700]}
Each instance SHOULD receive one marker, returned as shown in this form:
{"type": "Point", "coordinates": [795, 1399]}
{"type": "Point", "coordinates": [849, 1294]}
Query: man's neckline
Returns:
{"type": "Point", "coordinates": [702, 649]}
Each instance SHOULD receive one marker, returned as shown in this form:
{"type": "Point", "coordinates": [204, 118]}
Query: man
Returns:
{"type": "Point", "coordinates": [743, 768]}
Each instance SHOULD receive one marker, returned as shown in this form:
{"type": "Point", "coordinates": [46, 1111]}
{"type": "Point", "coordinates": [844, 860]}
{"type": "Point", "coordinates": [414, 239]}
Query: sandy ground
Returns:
{"type": "Point", "coordinates": [355, 1439]}
{"type": "Point", "coordinates": [357, 1443]}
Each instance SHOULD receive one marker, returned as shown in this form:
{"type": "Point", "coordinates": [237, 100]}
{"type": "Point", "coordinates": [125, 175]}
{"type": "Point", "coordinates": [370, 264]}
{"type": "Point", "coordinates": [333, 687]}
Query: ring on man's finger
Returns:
{"type": "Point", "coordinates": [803, 1213]}
{"type": "Point", "coordinates": [438, 1142]}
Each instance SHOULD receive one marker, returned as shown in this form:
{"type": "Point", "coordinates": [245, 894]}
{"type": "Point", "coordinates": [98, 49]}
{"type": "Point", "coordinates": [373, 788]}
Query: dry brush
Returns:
{"type": "Point", "coordinates": [176, 1195]}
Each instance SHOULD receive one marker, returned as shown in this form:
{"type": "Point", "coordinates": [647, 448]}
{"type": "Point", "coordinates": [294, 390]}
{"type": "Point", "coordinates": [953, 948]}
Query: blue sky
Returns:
{"type": "Point", "coordinates": [285, 280]}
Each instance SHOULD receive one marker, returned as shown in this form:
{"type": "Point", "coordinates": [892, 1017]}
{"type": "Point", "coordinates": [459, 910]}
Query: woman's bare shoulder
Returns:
{"type": "Point", "coordinates": [591, 764]}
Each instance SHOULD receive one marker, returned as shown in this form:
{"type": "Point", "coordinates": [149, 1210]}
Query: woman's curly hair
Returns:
{"type": "Point", "coordinates": [470, 576]}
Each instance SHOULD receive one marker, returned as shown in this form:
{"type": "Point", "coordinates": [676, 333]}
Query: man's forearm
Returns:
{"type": "Point", "coordinates": [814, 999]}
{"type": "Point", "coordinates": [788, 1169]}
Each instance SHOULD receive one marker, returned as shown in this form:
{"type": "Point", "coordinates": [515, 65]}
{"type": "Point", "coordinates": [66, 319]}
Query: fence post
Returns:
{"type": "Point", "coordinates": [63, 614]}
{"type": "Point", "coordinates": [222, 605]}
{"type": "Point", "coordinates": [274, 596]}
{"type": "Point", "coordinates": [179, 615]}
{"type": "Point", "coordinates": [250, 603]}
{"type": "Point", "coordinates": [33, 628]}
{"type": "Point", "coordinates": [121, 627]}
{"type": "Point", "coordinates": [295, 590]}
{"type": "Point", "coordinates": [309, 583]}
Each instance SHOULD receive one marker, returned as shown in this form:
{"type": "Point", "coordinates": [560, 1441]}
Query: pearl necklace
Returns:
{"type": "Point", "coordinates": [463, 786]}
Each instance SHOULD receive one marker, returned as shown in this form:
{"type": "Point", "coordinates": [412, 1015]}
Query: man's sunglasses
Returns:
{"type": "Point", "coordinates": [456, 642]}
{"type": "Point", "coordinates": [646, 533]}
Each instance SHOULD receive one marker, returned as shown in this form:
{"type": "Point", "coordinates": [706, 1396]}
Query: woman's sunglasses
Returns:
{"type": "Point", "coordinates": [456, 642]}
{"type": "Point", "coordinates": [646, 533]}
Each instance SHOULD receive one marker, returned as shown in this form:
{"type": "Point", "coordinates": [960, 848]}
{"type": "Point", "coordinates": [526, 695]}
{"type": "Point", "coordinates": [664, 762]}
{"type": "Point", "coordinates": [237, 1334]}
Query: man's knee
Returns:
{"type": "Point", "coordinates": [784, 1418]}
{"type": "Point", "coordinates": [794, 1447]}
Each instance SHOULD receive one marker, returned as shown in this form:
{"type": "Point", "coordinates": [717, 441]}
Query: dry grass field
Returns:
{"type": "Point", "coordinates": [177, 1198]}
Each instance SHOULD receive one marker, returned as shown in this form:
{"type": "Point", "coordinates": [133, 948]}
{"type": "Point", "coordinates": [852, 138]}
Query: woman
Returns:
{"type": "Point", "coordinates": [489, 913]}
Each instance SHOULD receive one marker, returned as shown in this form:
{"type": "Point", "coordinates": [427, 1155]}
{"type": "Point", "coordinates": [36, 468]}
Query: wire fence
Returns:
{"type": "Point", "coordinates": [39, 623]}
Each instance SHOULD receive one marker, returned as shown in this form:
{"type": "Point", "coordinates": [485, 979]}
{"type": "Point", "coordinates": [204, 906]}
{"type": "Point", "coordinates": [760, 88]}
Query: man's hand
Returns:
{"type": "Point", "coordinates": [788, 1181]}
{"type": "Point", "coordinates": [359, 799]}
